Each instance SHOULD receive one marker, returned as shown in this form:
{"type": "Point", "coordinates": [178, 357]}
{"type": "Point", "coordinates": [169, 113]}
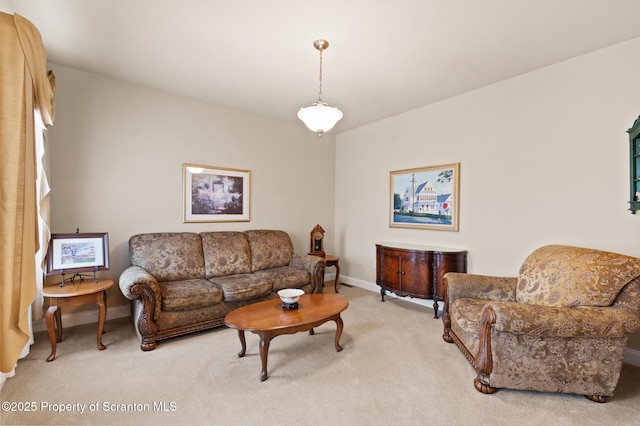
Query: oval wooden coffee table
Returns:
{"type": "Point", "coordinates": [269, 319]}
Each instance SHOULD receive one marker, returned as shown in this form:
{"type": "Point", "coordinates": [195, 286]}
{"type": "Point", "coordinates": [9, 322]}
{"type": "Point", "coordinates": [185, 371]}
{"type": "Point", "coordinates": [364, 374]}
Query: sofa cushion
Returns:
{"type": "Point", "coordinates": [240, 287]}
{"type": "Point", "coordinates": [170, 256]}
{"type": "Point", "coordinates": [269, 249]}
{"type": "Point", "coordinates": [226, 253]}
{"type": "Point", "coordinates": [572, 276]}
{"type": "Point", "coordinates": [189, 294]}
{"type": "Point", "coordinates": [285, 277]}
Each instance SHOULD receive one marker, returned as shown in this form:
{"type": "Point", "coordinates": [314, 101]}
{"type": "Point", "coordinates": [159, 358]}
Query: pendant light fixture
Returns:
{"type": "Point", "coordinates": [320, 117]}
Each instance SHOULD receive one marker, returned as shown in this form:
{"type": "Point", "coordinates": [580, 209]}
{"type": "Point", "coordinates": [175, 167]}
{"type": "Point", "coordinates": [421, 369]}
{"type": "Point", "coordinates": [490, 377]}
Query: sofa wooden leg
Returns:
{"type": "Point", "coordinates": [482, 386]}
{"type": "Point", "coordinates": [148, 346]}
{"type": "Point", "coordinates": [598, 398]}
{"type": "Point", "coordinates": [149, 332]}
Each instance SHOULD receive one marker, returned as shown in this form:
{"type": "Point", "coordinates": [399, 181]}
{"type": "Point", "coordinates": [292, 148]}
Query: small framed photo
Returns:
{"type": "Point", "coordinates": [216, 194]}
{"type": "Point", "coordinates": [426, 198]}
{"type": "Point", "coordinates": [74, 253]}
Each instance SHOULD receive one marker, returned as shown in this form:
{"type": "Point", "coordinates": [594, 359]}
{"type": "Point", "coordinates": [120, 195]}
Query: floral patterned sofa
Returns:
{"type": "Point", "coordinates": [185, 282]}
{"type": "Point", "coordinates": [561, 325]}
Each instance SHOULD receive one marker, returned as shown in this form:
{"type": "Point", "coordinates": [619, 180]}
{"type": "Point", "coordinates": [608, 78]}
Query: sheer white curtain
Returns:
{"type": "Point", "coordinates": [42, 199]}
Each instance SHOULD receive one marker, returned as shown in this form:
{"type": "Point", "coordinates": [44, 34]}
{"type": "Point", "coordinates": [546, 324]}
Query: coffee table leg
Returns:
{"type": "Point", "coordinates": [265, 341]}
{"type": "Point", "coordinates": [243, 342]}
{"type": "Point", "coordinates": [339, 327]}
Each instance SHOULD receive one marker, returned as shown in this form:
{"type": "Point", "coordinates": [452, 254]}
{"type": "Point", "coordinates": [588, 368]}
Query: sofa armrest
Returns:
{"type": "Point", "coordinates": [136, 275]}
{"type": "Point", "coordinates": [470, 286]}
{"type": "Point", "coordinates": [554, 321]}
{"type": "Point", "coordinates": [314, 265]}
{"type": "Point", "coordinates": [138, 284]}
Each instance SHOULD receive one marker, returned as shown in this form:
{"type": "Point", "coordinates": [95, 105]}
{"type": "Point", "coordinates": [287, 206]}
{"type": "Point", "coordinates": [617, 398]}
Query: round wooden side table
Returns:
{"type": "Point", "coordinates": [74, 293]}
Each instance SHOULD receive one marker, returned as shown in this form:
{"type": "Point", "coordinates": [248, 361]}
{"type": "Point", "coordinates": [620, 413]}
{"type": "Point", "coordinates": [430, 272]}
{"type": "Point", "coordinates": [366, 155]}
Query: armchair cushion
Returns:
{"type": "Point", "coordinates": [559, 275]}
{"type": "Point", "coordinates": [466, 315]}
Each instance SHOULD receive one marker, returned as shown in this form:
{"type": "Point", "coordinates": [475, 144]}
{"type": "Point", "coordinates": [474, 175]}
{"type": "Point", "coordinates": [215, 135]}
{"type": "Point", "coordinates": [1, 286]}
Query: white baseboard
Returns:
{"type": "Point", "coordinates": [85, 317]}
{"type": "Point", "coordinates": [631, 356]}
{"type": "Point", "coordinates": [330, 276]}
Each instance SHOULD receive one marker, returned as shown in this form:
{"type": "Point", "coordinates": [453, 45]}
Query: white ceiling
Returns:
{"type": "Point", "coordinates": [385, 57]}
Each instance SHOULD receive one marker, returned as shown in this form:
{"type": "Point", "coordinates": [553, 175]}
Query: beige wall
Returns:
{"type": "Point", "coordinates": [116, 155]}
{"type": "Point", "coordinates": [544, 159]}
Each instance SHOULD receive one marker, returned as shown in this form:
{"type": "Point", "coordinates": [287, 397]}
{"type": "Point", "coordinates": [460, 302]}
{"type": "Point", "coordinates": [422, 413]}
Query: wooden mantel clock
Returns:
{"type": "Point", "coordinates": [316, 244]}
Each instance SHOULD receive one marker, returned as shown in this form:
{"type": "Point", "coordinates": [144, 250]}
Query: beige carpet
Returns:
{"type": "Point", "coordinates": [394, 369]}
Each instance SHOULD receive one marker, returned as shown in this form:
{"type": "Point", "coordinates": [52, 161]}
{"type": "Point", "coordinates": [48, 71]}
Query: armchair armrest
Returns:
{"type": "Point", "coordinates": [470, 286]}
{"type": "Point", "coordinates": [314, 265]}
{"type": "Point", "coordinates": [554, 321]}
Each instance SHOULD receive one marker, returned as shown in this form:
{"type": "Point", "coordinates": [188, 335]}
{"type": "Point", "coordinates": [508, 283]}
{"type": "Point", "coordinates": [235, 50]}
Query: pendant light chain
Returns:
{"type": "Point", "coordinates": [320, 91]}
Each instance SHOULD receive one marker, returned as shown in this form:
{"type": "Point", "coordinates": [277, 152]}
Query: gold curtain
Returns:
{"type": "Point", "coordinates": [25, 87]}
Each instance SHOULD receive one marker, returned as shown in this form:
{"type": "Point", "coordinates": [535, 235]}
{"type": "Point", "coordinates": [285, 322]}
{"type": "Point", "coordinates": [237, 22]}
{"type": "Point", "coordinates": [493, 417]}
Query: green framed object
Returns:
{"type": "Point", "coordinates": [634, 166]}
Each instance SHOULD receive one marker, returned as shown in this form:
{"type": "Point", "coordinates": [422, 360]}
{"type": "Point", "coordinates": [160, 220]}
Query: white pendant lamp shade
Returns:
{"type": "Point", "coordinates": [320, 117]}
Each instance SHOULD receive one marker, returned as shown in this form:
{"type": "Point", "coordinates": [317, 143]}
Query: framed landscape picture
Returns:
{"type": "Point", "coordinates": [425, 198]}
{"type": "Point", "coordinates": [216, 194]}
{"type": "Point", "coordinates": [75, 253]}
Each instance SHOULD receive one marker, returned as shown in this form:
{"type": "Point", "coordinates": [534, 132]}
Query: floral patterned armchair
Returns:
{"type": "Point", "coordinates": [561, 325]}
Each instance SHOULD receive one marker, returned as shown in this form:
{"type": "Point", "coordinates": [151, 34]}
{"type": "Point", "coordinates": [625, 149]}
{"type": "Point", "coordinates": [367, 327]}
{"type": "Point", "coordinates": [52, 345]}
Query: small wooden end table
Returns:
{"type": "Point", "coordinates": [74, 293]}
{"type": "Point", "coordinates": [331, 260]}
{"type": "Point", "coordinates": [269, 319]}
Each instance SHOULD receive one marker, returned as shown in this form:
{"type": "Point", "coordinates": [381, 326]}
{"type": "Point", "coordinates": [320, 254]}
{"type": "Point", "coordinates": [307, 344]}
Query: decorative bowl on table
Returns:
{"type": "Point", "coordinates": [289, 297]}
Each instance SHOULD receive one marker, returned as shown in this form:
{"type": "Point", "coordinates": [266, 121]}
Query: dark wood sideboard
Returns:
{"type": "Point", "coordinates": [415, 270]}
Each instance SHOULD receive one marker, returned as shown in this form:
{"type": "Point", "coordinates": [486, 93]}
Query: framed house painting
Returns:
{"type": "Point", "coordinates": [425, 197]}
{"type": "Point", "coordinates": [216, 194]}
{"type": "Point", "coordinates": [75, 253]}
